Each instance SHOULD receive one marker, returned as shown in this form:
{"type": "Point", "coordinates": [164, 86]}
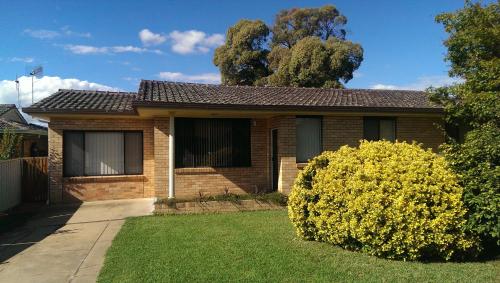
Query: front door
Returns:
{"type": "Point", "coordinates": [274, 159]}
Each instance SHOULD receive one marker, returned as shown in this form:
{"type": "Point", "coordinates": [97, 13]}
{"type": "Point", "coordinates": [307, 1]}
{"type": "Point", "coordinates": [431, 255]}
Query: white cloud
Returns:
{"type": "Point", "coordinates": [67, 31]}
{"type": "Point", "coordinates": [383, 86]}
{"type": "Point", "coordinates": [357, 74]}
{"type": "Point", "coordinates": [88, 49]}
{"type": "Point", "coordinates": [42, 33]}
{"type": "Point", "coordinates": [50, 34]}
{"type": "Point", "coordinates": [211, 78]}
{"type": "Point", "coordinates": [194, 41]}
{"type": "Point", "coordinates": [148, 38]}
{"type": "Point", "coordinates": [22, 59]}
{"type": "Point", "coordinates": [421, 83]}
{"type": "Point", "coordinates": [43, 87]}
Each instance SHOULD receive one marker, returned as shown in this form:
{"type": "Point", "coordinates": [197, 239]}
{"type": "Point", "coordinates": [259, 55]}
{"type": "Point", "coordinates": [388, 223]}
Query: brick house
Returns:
{"type": "Point", "coordinates": [182, 139]}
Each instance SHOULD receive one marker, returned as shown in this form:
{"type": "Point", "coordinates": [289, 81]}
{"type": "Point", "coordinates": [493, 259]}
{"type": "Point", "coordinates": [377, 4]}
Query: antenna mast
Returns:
{"type": "Point", "coordinates": [18, 95]}
{"type": "Point", "coordinates": [36, 72]}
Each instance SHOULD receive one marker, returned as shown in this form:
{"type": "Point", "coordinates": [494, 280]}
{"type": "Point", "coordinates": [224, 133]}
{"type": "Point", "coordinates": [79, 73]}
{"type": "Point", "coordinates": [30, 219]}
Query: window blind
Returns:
{"type": "Point", "coordinates": [308, 138]}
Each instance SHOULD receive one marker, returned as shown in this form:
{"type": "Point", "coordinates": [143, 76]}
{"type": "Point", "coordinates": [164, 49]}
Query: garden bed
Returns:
{"type": "Point", "coordinates": [222, 203]}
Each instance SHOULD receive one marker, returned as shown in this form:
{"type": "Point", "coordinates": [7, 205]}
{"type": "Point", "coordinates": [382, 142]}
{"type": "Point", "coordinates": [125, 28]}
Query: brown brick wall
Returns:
{"type": "Point", "coordinates": [64, 189]}
{"type": "Point", "coordinates": [341, 130]}
{"type": "Point", "coordinates": [427, 131]}
{"type": "Point", "coordinates": [161, 156]}
{"type": "Point", "coordinates": [337, 131]}
{"type": "Point", "coordinates": [347, 130]}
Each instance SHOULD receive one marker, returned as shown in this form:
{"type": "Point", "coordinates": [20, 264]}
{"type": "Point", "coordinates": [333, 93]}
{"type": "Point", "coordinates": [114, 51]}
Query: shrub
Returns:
{"type": "Point", "coordinates": [392, 200]}
{"type": "Point", "coordinates": [477, 163]}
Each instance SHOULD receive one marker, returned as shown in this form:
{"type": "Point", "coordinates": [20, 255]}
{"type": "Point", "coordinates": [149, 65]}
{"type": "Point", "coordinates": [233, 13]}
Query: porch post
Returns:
{"type": "Point", "coordinates": [171, 157]}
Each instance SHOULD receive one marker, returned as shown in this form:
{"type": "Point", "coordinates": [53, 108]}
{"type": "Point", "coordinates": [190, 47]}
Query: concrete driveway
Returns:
{"type": "Point", "coordinates": [65, 244]}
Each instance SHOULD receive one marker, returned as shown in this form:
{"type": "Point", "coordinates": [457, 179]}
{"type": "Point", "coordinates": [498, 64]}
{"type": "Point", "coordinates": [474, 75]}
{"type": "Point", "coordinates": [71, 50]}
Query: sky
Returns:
{"type": "Point", "coordinates": [112, 45]}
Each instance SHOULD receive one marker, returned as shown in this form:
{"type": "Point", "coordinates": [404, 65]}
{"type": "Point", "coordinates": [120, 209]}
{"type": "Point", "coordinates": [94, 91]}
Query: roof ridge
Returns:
{"type": "Point", "coordinates": [278, 87]}
{"type": "Point", "coordinates": [96, 91]}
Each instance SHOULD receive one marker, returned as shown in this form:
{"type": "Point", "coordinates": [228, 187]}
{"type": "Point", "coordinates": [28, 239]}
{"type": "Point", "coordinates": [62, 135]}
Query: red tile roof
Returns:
{"type": "Point", "coordinates": [202, 96]}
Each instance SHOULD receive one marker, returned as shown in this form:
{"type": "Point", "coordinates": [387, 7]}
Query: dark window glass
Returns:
{"type": "Point", "coordinates": [102, 153]}
{"type": "Point", "coordinates": [73, 153]}
{"type": "Point", "coordinates": [375, 129]}
{"type": "Point", "coordinates": [133, 153]}
{"type": "Point", "coordinates": [212, 142]}
{"type": "Point", "coordinates": [308, 138]}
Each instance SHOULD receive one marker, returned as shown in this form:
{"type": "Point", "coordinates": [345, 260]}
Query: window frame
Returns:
{"type": "Point", "coordinates": [378, 118]}
{"type": "Point", "coordinates": [320, 118]}
{"type": "Point", "coordinates": [124, 153]}
{"type": "Point", "coordinates": [248, 164]}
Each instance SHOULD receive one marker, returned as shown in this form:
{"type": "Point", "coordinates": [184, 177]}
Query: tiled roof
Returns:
{"type": "Point", "coordinates": [85, 101]}
{"type": "Point", "coordinates": [20, 127]}
{"type": "Point", "coordinates": [6, 107]}
{"type": "Point", "coordinates": [202, 96]}
{"type": "Point", "coordinates": [156, 93]}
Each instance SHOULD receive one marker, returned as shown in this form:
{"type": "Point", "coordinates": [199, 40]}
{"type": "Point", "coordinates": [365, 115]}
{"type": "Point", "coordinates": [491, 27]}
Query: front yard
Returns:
{"type": "Point", "coordinates": [256, 247]}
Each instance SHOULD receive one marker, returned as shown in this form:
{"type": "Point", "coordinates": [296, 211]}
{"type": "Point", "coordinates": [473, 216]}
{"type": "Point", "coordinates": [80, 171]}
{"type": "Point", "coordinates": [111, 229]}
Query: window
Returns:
{"type": "Point", "coordinates": [379, 129]}
{"type": "Point", "coordinates": [102, 153]}
{"type": "Point", "coordinates": [308, 138]}
{"type": "Point", "coordinates": [212, 142]}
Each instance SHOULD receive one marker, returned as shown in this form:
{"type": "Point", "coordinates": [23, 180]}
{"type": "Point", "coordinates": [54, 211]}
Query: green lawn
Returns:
{"type": "Point", "coordinates": [256, 247]}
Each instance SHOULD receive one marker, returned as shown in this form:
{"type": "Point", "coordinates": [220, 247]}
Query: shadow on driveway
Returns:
{"type": "Point", "coordinates": [26, 227]}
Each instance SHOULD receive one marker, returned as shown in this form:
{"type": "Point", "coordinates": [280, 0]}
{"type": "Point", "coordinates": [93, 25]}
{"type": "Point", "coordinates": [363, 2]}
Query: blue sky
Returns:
{"type": "Point", "coordinates": [99, 44]}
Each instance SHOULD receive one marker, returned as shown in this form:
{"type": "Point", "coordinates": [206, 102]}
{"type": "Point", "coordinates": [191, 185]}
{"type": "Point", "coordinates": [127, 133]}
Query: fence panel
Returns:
{"type": "Point", "coordinates": [34, 179]}
{"type": "Point", "coordinates": [10, 183]}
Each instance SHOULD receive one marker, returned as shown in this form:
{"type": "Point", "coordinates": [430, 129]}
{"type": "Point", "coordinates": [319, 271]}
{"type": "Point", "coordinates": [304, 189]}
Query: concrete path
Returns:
{"type": "Point", "coordinates": [65, 244]}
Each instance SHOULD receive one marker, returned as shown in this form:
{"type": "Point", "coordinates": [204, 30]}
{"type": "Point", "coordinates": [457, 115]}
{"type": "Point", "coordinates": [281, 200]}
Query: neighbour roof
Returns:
{"type": "Point", "coordinates": [6, 107]}
{"type": "Point", "coordinates": [203, 96]}
{"type": "Point", "coordinates": [85, 101]}
{"type": "Point", "coordinates": [154, 93]}
{"type": "Point", "coordinates": [20, 127]}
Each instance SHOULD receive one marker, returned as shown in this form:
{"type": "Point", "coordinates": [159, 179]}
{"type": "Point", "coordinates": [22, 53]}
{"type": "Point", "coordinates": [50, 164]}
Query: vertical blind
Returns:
{"type": "Point", "coordinates": [308, 138]}
{"type": "Point", "coordinates": [102, 153]}
{"type": "Point", "coordinates": [379, 129]}
{"type": "Point", "coordinates": [212, 142]}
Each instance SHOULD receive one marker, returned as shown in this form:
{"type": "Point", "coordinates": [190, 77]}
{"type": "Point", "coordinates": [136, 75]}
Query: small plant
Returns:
{"type": "Point", "coordinates": [10, 143]}
{"type": "Point", "coordinates": [274, 197]}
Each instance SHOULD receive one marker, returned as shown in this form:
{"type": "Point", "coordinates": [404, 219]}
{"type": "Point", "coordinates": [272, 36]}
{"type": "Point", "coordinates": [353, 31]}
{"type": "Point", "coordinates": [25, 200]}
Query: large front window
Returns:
{"type": "Point", "coordinates": [102, 153]}
{"type": "Point", "coordinates": [308, 138]}
{"type": "Point", "coordinates": [212, 142]}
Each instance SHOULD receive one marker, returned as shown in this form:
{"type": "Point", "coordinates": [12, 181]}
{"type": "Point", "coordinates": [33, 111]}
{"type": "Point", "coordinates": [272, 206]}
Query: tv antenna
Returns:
{"type": "Point", "coordinates": [17, 89]}
{"type": "Point", "coordinates": [37, 72]}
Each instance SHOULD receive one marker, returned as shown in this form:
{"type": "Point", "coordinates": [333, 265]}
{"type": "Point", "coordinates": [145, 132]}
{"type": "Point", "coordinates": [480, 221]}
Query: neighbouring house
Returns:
{"type": "Point", "coordinates": [182, 139]}
{"type": "Point", "coordinates": [34, 142]}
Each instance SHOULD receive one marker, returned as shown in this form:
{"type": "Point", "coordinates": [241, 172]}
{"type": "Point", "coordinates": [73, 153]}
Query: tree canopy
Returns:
{"type": "Point", "coordinates": [307, 48]}
{"type": "Point", "coordinates": [474, 55]}
{"type": "Point", "coordinates": [242, 59]}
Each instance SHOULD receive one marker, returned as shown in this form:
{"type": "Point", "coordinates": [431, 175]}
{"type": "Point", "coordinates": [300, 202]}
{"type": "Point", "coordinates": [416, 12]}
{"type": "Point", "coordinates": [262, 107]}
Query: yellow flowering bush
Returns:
{"type": "Point", "coordinates": [393, 200]}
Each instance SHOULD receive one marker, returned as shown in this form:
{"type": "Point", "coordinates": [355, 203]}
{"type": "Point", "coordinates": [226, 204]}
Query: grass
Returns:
{"type": "Point", "coordinates": [256, 247]}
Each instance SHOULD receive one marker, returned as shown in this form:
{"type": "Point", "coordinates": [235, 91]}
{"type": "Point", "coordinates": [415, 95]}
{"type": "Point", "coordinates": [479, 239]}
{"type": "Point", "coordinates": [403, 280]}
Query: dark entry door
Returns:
{"type": "Point", "coordinates": [274, 159]}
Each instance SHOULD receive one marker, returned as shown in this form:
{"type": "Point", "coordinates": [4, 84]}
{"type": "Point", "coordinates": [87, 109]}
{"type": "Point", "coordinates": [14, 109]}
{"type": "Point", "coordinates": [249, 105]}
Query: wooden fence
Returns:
{"type": "Point", "coordinates": [22, 180]}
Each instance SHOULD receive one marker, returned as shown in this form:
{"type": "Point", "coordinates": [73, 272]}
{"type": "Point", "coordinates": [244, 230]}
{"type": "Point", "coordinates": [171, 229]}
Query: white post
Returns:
{"type": "Point", "coordinates": [171, 157]}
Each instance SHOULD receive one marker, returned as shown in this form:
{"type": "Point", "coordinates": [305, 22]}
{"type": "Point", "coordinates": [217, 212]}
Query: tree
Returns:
{"type": "Point", "coordinates": [242, 59]}
{"type": "Point", "coordinates": [314, 63]}
{"type": "Point", "coordinates": [307, 49]}
{"type": "Point", "coordinates": [9, 144]}
{"type": "Point", "coordinates": [295, 24]}
{"type": "Point", "coordinates": [474, 55]}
